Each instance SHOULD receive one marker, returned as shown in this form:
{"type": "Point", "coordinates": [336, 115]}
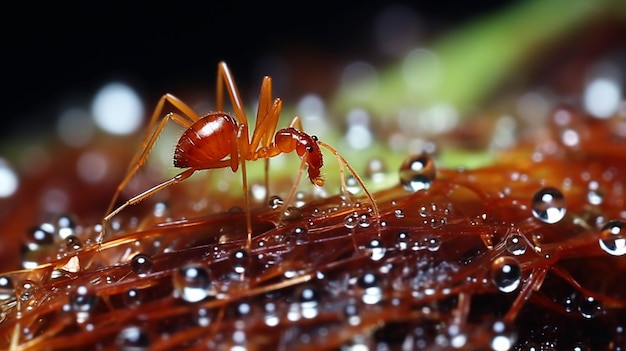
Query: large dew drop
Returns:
{"type": "Point", "coordinates": [613, 238]}
{"type": "Point", "coordinates": [548, 205]}
{"type": "Point", "coordinates": [506, 274]}
{"type": "Point", "coordinates": [193, 283]}
{"type": "Point", "coordinates": [417, 172]}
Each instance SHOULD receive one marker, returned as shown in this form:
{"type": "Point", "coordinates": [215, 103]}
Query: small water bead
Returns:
{"type": "Point", "coordinates": [376, 249]}
{"type": "Point", "coordinates": [365, 220]}
{"type": "Point", "coordinates": [133, 339]}
{"type": "Point", "coordinates": [73, 243]}
{"type": "Point", "coordinates": [506, 274]}
{"type": "Point", "coordinates": [432, 243]}
{"type": "Point", "coordinates": [141, 264]}
{"type": "Point", "coordinates": [276, 202]}
{"type": "Point", "coordinates": [417, 172]}
{"type": "Point", "coordinates": [82, 302]}
{"type": "Point", "coordinates": [27, 289]}
{"type": "Point", "coordinates": [39, 236]}
{"type": "Point", "coordinates": [309, 300]}
{"type": "Point", "coordinates": [133, 297]}
{"type": "Point", "coordinates": [7, 290]}
{"type": "Point", "coordinates": [193, 283]}
{"type": "Point", "coordinates": [240, 261]}
{"type": "Point", "coordinates": [351, 221]}
{"type": "Point", "coordinates": [376, 170]}
{"type": "Point", "coordinates": [613, 238]}
{"type": "Point", "coordinates": [503, 337]}
{"type": "Point", "coordinates": [589, 307]}
{"type": "Point", "coordinates": [352, 313]}
{"type": "Point", "coordinates": [399, 213]}
{"type": "Point", "coordinates": [515, 245]}
{"type": "Point", "coordinates": [65, 226]}
{"type": "Point", "coordinates": [371, 284]}
{"type": "Point", "coordinates": [403, 241]}
{"type": "Point", "coordinates": [352, 186]}
{"type": "Point", "coordinates": [299, 236]}
{"type": "Point", "coordinates": [548, 205]}
{"type": "Point", "coordinates": [204, 316]}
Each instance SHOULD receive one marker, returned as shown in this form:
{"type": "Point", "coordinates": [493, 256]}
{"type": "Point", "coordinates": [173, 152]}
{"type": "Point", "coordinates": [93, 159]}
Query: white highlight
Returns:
{"type": "Point", "coordinates": [117, 109]}
{"type": "Point", "coordinates": [8, 180]}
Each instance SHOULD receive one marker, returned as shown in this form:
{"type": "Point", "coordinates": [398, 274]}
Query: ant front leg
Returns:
{"type": "Point", "coordinates": [186, 119]}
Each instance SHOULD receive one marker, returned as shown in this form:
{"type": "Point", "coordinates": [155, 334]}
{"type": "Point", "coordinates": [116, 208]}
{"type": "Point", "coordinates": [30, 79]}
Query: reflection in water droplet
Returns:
{"type": "Point", "coordinates": [371, 284]}
{"type": "Point", "coordinates": [82, 302]}
{"type": "Point", "coordinates": [376, 170]}
{"type": "Point", "coordinates": [548, 205]}
{"type": "Point", "coordinates": [503, 337]}
{"type": "Point", "coordinates": [417, 172]}
{"type": "Point", "coordinates": [352, 186]}
{"type": "Point", "coordinates": [133, 339]}
{"type": "Point", "coordinates": [141, 264]}
{"type": "Point", "coordinates": [6, 288]}
{"type": "Point", "coordinates": [192, 283]}
{"type": "Point", "coordinates": [506, 274]}
{"type": "Point", "coordinates": [515, 244]}
{"type": "Point", "coordinates": [376, 249]}
{"type": "Point", "coordinates": [403, 241]}
{"type": "Point", "coordinates": [240, 261]}
{"type": "Point", "coordinates": [589, 307]}
{"type": "Point", "coordinates": [351, 221]}
{"type": "Point", "coordinates": [613, 238]}
{"type": "Point", "coordinates": [8, 180]}
{"type": "Point", "coordinates": [275, 202]}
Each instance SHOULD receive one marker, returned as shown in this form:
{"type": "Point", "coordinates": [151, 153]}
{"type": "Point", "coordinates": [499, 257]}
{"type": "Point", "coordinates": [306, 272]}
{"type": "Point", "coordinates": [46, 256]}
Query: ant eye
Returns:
{"type": "Point", "coordinates": [314, 137]}
{"type": "Point", "coordinates": [309, 148]}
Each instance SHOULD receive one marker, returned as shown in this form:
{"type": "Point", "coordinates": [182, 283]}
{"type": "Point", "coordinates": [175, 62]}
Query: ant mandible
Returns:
{"type": "Point", "coordinates": [219, 140]}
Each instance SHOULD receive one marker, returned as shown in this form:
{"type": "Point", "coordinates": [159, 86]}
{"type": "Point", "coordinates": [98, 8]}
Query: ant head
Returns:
{"type": "Point", "coordinates": [290, 139]}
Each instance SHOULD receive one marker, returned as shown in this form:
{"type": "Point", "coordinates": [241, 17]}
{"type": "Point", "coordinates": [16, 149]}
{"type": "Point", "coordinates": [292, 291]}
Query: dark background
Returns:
{"type": "Point", "coordinates": [55, 54]}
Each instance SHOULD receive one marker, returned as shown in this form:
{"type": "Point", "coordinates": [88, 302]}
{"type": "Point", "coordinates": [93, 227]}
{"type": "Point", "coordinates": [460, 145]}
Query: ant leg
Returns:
{"type": "Point", "coordinates": [155, 189]}
{"type": "Point", "coordinates": [225, 76]}
{"type": "Point", "coordinates": [344, 163]}
{"type": "Point", "coordinates": [187, 118]}
{"type": "Point", "coordinates": [138, 162]}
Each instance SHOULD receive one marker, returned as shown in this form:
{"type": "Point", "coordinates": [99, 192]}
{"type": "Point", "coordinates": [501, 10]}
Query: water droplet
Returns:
{"type": "Point", "coordinates": [160, 209]}
{"type": "Point", "coordinates": [403, 240]}
{"type": "Point", "coordinates": [141, 264]}
{"type": "Point", "coordinates": [548, 205]}
{"type": "Point", "coordinates": [276, 202]}
{"type": "Point", "coordinates": [376, 249]}
{"type": "Point", "coordinates": [271, 317]}
{"type": "Point", "coordinates": [133, 339]}
{"type": "Point", "coordinates": [399, 213]}
{"type": "Point", "coordinates": [417, 172]}
{"type": "Point", "coordinates": [309, 299]}
{"type": "Point", "coordinates": [515, 244]}
{"type": "Point", "coordinates": [6, 288]}
{"type": "Point", "coordinates": [503, 337]}
{"type": "Point", "coordinates": [82, 302]}
{"type": "Point", "coordinates": [240, 261]}
{"type": "Point", "coordinates": [376, 170]}
{"type": "Point", "coordinates": [506, 274]}
{"type": "Point", "coordinates": [39, 236]}
{"type": "Point", "coordinates": [299, 236]}
{"type": "Point", "coordinates": [433, 243]}
{"type": "Point", "coordinates": [613, 238]}
{"type": "Point", "coordinates": [65, 226]}
{"type": "Point", "coordinates": [371, 284]}
{"type": "Point", "coordinates": [365, 220]}
{"type": "Point", "coordinates": [351, 311]}
{"type": "Point", "coordinates": [133, 297]}
{"type": "Point", "coordinates": [27, 290]}
{"type": "Point", "coordinates": [352, 186]}
{"type": "Point", "coordinates": [203, 317]}
{"type": "Point", "coordinates": [193, 283]}
{"type": "Point", "coordinates": [351, 221]}
{"type": "Point", "coordinates": [589, 307]}
{"type": "Point", "coordinates": [73, 243]}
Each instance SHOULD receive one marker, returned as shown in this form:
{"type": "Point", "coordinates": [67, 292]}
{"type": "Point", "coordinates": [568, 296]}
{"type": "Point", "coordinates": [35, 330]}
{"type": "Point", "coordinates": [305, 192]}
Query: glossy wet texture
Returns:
{"type": "Point", "coordinates": [517, 255]}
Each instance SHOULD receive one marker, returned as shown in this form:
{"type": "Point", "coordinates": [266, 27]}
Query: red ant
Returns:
{"type": "Point", "coordinates": [219, 140]}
